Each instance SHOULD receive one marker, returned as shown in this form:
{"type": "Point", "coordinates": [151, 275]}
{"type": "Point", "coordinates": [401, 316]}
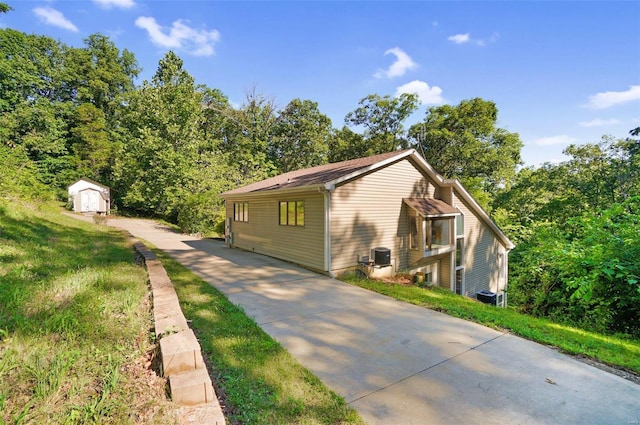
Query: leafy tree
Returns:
{"type": "Point", "coordinates": [301, 136]}
{"type": "Point", "coordinates": [99, 73]}
{"type": "Point", "coordinates": [19, 176]}
{"type": "Point", "coordinates": [584, 272]}
{"type": "Point", "coordinates": [247, 136]}
{"type": "Point", "coordinates": [463, 142]}
{"type": "Point", "coordinates": [5, 8]}
{"type": "Point", "coordinates": [168, 166]}
{"type": "Point", "coordinates": [160, 140]}
{"type": "Point", "coordinates": [595, 176]}
{"type": "Point", "coordinates": [91, 142]}
{"type": "Point", "coordinates": [31, 68]}
{"type": "Point", "coordinates": [345, 144]}
{"type": "Point", "coordinates": [383, 120]}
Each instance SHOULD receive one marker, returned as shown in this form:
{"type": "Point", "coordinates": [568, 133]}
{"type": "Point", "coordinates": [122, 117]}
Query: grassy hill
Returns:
{"type": "Point", "coordinates": [74, 324]}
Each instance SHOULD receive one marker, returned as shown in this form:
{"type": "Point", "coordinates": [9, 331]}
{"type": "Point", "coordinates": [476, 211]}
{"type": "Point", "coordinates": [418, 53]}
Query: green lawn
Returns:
{"type": "Point", "coordinates": [74, 324]}
{"type": "Point", "coordinates": [263, 383]}
{"type": "Point", "coordinates": [616, 351]}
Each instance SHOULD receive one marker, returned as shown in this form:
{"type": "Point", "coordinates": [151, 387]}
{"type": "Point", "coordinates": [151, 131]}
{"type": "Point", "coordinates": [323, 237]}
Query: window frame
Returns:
{"type": "Point", "coordinates": [430, 230]}
{"type": "Point", "coordinates": [460, 252]}
{"type": "Point", "coordinates": [241, 212]}
{"type": "Point", "coordinates": [414, 233]}
{"type": "Point", "coordinates": [291, 213]}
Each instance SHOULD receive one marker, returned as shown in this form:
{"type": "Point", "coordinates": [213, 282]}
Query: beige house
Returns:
{"type": "Point", "coordinates": [391, 211]}
{"type": "Point", "coordinates": [88, 196]}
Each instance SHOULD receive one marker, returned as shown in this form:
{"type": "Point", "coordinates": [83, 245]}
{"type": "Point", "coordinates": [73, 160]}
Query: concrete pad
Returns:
{"type": "Point", "coordinates": [192, 388]}
{"type": "Point", "coordinates": [482, 386]}
{"type": "Point", "coordinates": [180, 352]}
{"type": "Point", "coordinates": [356, 357]}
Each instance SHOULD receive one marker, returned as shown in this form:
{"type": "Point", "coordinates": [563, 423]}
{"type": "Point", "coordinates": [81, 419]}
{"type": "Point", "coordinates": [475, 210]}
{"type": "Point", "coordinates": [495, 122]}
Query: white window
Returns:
{"type": "Point", "coordinates": [438, 233]}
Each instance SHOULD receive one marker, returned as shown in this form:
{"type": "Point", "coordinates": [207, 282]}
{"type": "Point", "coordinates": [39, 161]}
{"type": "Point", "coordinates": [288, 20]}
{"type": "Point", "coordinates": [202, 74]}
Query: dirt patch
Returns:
{"type": "Point", "coordinates": [150, 404]}
{"type": "Point", "coordinates": [399, 279]}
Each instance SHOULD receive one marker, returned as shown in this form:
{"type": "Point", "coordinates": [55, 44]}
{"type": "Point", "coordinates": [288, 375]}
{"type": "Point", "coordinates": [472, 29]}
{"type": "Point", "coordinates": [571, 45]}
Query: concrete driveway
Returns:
{"type": "Point", "coordinates": [396, 363]}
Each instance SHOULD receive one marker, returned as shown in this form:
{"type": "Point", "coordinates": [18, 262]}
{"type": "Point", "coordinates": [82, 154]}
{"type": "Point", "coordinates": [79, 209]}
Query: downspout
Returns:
{"type": "Point", "coordinates": [327, 230]}
{"type": "Point", "coordinates": [506, 278]}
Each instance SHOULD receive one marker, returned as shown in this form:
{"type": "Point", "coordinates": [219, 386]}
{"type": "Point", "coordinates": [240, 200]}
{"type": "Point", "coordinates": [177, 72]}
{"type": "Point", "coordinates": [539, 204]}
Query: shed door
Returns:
{"type": "Point", "coordinates": [89, 200]}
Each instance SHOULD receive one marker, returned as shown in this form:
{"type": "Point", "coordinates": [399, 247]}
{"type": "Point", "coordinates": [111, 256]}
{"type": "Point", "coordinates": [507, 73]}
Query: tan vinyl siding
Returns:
{"type": "Point", "coordinates": [263, 234]}
{"type": "Point", "coordinates": [481, 252]}
{"type": "Point", "coordinates": [368, 212]}
{"type": "Point", "coordinates": [445, 271]}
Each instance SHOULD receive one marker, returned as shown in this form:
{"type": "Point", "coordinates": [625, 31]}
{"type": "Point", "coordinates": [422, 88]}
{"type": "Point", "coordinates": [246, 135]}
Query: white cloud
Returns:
{"type": "Point", "coordinates": [612, 98]}
{"type": "Point", "coordinates": [555, 140]}
{"type": "Point", "coordinates": [466, 38]}
{"type": "Point", "coordinates": [459, 38]}
{"type": "Point", "coordinates": [599, 122]}
{"type": "Point", "coordinates": [402, 64]}
{"type": "Point", "coordinates": [54, 17]}
{"type": "Point", "coordinates": [122, 4]}
{"type": "Point", "coordinates": [427, 95]}
{"type": "Point", "coordinates": [193, 41]}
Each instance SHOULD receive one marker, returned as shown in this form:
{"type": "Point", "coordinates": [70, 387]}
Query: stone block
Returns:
{"type": "Point", "coordinates": [180, 352]}
{"type": "Point", "coordinates": [203, 414]}
{"type": "Point", "coordinates": [165, 292]}
{"type": "Point", "coordinates": [144, 251]}
{"type": "Point", "coordinates": [165, 306]}
{"type": "Point", "coordinates": [170, 324]}
{"type": "Point", "coordinates": [158, 276]}
{"type": "Point", "coordinates": [192, 388]}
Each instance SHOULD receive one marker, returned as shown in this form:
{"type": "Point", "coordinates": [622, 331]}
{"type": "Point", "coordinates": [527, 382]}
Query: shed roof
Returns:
{"type": "Point", "coordinates": [88, 180]}
{"type": "Point", "coordinates": [431, 207]}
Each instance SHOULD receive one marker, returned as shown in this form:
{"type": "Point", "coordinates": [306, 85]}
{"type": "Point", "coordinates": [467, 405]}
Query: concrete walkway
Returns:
{"type": "Point", "coordinates": [396, 363]}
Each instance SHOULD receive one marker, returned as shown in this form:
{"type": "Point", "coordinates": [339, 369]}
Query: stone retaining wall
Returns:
{"type": "Point", "coordinates": [180, 351]}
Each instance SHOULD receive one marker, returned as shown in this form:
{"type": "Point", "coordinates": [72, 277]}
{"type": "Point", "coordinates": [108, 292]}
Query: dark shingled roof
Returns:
{"type": "Point", "coordinates": [318, 175]}
{"type": "Point", "coordinates": [430, 207]}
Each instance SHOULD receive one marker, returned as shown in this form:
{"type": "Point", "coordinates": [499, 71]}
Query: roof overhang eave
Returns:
{"type": "Point", "coordinates": [271, 192]}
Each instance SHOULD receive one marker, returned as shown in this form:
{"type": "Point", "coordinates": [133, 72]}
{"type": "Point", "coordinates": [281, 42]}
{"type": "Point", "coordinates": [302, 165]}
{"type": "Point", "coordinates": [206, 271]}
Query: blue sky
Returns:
{"type": "Point", "coordinates": [560, 72]}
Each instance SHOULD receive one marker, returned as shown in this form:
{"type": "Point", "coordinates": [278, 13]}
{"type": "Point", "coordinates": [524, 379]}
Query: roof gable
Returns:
{"type": "Point", "coordinates": [321, 175]}
{"type": "Point", "coordinates": [91, 182]}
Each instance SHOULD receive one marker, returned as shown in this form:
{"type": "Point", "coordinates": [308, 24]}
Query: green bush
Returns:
{"type": "Point", "coordinates": [19, 175]}
{"type": "Point", "coordinates": [585, 273]}
{"type": "Point", "coordinates": [199, 213]}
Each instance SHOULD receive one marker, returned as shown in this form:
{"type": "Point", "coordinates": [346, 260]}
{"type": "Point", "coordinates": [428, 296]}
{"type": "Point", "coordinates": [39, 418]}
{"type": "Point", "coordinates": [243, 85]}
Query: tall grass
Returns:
{"type": "Point", "coordinates": [74, 324]}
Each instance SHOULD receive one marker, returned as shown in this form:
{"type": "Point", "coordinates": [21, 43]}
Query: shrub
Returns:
{"type": "Point", "coordinates": [199, 213]}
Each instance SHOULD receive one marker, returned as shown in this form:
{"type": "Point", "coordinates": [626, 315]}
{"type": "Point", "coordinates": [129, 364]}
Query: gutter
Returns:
{"type": "Point", "coordinates": [262, 193]}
